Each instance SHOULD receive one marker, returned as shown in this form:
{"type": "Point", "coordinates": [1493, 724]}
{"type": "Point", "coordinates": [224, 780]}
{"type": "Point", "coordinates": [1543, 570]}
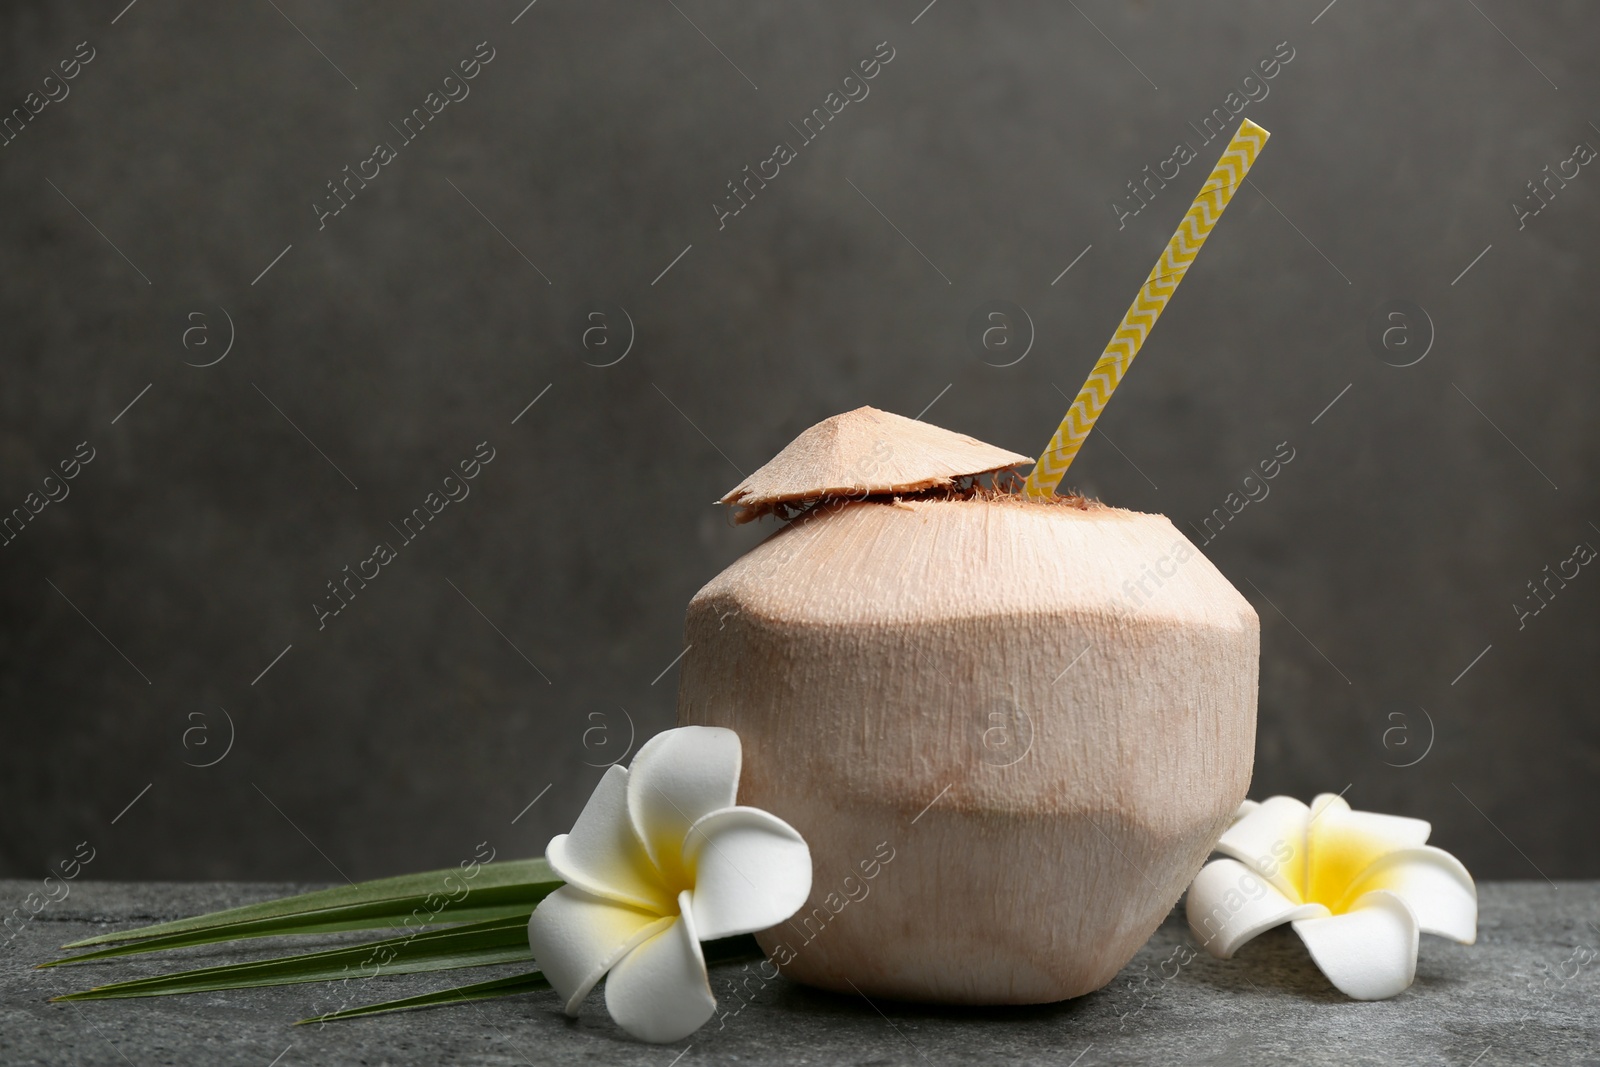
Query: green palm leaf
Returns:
{"type": "Point", "coordinates": [532, 982]}
{"type": "Point", "coordinates": [478, 944]}
{"type": "Point", "coordinates": [498, 890]}
{"type": "Point", "coordinates": [487, 925]}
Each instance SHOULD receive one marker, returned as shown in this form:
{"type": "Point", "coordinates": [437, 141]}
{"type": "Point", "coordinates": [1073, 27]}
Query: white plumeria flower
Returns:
{"type": "Point", "coordinates": [1358, 887]}
{"type": "Point", "coordinates": [660, 860]}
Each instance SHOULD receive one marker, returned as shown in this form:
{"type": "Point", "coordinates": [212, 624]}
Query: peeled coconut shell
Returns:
{"type": "Point", "coordinates": [1010, 730]}
{"type": "Point", "coordinates": [865, 452]}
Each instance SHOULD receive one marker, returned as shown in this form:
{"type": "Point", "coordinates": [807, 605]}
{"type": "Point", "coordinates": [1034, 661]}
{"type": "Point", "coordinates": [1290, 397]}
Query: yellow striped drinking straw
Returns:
{"type": "Point", "coordinates": [1146, 308]}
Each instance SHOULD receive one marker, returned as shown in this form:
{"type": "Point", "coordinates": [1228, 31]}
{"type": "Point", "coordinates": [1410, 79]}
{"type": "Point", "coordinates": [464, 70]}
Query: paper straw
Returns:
{"type": "Point", "coordinates": [1146, 308]}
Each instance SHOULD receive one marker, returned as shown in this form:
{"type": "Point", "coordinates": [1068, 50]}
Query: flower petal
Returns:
{"type": "Point", "coordinates": [603, 855]}
{"type": "Point", "coordinates": [659, 991]}
{"type": "Point", "coordinates": [1246, 806]}
{"type": "Point", "coordinates": [1400, 830]}
{"type": "Point", "coordinates": [1229, 903]}
{"type": "Point", "coordinates": [1369, 952]}
{"type": "Point", "coordinates": [1342, 844]}
{"type": "Point", "coordinates": [1270, 839]}
{"type": "Point", "coordinates": [751, 870]}
{"type": "Point", "coordinates": [1433, 884]}
{"type": "Point", "coordinates": [677, 777]}
{"type": "Point", "coordinates": [576, 937]}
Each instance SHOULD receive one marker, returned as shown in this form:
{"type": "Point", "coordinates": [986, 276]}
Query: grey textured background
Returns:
{"type": "Point", "coordinates": [191, 549]}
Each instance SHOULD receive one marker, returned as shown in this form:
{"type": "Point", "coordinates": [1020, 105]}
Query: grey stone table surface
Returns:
{"type": "Point", "coordinates": [1527, 992]}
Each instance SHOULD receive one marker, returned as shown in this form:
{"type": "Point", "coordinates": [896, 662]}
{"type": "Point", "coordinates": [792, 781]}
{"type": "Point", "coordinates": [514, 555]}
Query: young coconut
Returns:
{"type": "Point", "coordinates": [1009, 729]}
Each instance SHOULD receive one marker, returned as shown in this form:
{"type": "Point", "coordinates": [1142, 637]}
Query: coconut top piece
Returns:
{"type": "Point", "coordinates": [862, 452]}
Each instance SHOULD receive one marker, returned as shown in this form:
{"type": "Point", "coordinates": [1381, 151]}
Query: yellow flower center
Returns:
{"type": "Point", "coordinates": [673, 876]}
{"type": "Point", "coordinates": [1335, 856]}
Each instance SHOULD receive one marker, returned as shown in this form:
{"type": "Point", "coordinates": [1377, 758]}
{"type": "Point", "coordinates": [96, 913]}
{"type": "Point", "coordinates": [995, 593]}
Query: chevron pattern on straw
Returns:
{"type": "Point", "coordinates": [1146, 308]}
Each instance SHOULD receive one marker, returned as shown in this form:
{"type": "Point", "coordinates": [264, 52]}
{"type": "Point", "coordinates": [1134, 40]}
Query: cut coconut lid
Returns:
{"type": "Point", "coordinates": [865, 451]}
